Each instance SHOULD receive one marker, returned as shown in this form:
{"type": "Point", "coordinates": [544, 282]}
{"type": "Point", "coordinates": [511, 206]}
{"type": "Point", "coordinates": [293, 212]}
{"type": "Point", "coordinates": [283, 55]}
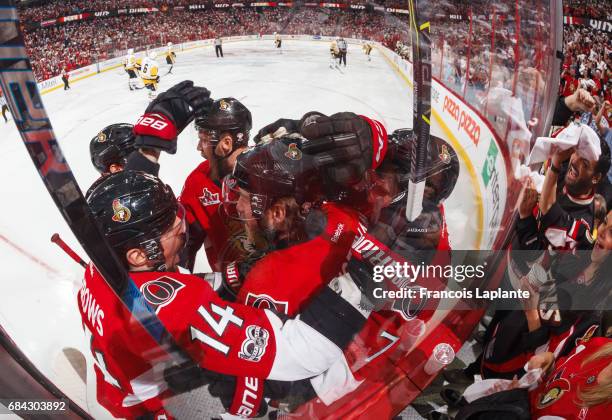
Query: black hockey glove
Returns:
{"type": "Point", "coordinates": [169, 114]}
{"type": "Point", "coordinates": [283, 127]}
{"type": "Point", "coordinates": [278, 128]}
{"type": "Point", "coordinates": [187, 377]}
{"type": "Point", "coordinates": [234, 275]}
{"type": "Point", "coordinates": [344, 145]}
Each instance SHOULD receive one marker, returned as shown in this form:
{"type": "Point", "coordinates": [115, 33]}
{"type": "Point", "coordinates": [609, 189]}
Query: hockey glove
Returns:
{"type": "Point", "coordinates": [187, 377]}
{"type": "Point", "coordinates": [167, 116]}
{"type": "Point", "coordinates": [283, 127]}
{"type": "Point", "coordinates": [279, 128]}
{"type": "Point", "coordinates": [234, 275]}
{"type": "Point", "coordinates": [345, 145]}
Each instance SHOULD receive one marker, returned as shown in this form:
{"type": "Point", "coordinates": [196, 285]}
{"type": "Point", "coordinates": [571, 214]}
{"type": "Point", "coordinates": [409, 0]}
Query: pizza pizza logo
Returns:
{"type": "Point", "coordinates": [122, 213]}
{"type": "Point", "coordinates": [293, 152]}
{"type": "Point", "coordinates": [254, 346]}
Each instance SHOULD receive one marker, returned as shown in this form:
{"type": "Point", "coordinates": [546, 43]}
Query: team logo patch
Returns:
{"type": "Point", "coordinates": [264, 301]}
{"type": "Point", "coordinates": [122, 213]}
{"type": "Point", "coordinates": [409, 308]}
{"type": "Point", "coordinates": [161, 292]}
{"type": "Point", "coordinates": [209, 198]}
{"type": "Point", "coordinates": [444, 155]}
{"type": "Point", "coordinates": [553, 392]}
{"type": "Point", "coordinates": [587, 335]}
{"type": "Point", "coordinates": [254, 346]}
{"type": "Point", "coordinates": [101, 137]}
{"type": "Point", "coordinates": [293, 152]}
{"type": "Point", "coordinates": [223, 105]}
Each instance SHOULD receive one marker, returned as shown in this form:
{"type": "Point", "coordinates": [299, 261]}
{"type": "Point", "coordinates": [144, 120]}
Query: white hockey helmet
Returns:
{"type": "Point", "coordinates": [152, 55]}
{"type": "Point", "coordinates": [274, 33]}
{"type": "Point", "coordinates": [169, 44]}
{"type": "Point", "coordinates": [130, 50]}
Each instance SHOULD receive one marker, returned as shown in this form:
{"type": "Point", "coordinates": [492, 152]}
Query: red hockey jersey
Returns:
{"type": "Point", "coordinates": [287, 278]}
{"type": "Point", "coordinates": [377, 343]}
{"type": "Point", "coordinates": [224, 239]}
{"type": "Point", "coordinates": [225, 337]}
{"type": "Point", "coordinates": [558, 394]}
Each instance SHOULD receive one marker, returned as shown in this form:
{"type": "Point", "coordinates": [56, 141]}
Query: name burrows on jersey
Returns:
{"type": "Point", "coordinates": [228, 338]}
{"type": "Point", "coordinates": [224, 238]}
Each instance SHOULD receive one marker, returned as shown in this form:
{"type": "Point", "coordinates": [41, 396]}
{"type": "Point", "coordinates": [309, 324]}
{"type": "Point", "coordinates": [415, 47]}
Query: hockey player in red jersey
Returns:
{"type": "Point", "coordinates": [110, 148]}
{"type": "Point", "coordinates": [261, 290]}
{"type": "Point", "coordinates": [223, 134]}
{"type": "Point", "coordinates": [276, 190]}
{"type": "Point", "coordinates": [145, 226]}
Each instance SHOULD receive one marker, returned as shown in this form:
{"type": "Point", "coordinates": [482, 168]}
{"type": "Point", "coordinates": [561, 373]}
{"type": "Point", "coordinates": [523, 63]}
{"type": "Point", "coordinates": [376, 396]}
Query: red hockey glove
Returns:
{"type": "Point", "coordinates": [167, 116]}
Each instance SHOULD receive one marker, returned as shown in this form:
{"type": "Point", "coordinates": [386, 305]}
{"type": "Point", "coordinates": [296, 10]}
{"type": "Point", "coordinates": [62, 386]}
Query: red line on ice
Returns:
{"type": "Point", "coordinates": [28, 255]}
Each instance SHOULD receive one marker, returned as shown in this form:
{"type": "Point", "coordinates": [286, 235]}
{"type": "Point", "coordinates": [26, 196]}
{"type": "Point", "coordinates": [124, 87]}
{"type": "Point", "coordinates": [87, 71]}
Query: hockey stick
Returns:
{"type": "Point", "coordinates": [421, 69]}
{"type": "Point", "coordinates": [23, 98]}
{"type": "Point", "coordinates": [56, 239]}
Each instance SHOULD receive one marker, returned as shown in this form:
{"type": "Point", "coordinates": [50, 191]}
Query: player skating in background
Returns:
{"type": "Point", "coordinates": [130, 65]}
{"type": "Point", "coordinates": [278, 42]}
{"type": "Point", "coordinates": [367, 49]}
{"type": "Point", "coordinates": [149, 73]}
{"type": "Point", "coordinates": [334, 54]}
{"type": "Point", "coordinates": [170, 56]}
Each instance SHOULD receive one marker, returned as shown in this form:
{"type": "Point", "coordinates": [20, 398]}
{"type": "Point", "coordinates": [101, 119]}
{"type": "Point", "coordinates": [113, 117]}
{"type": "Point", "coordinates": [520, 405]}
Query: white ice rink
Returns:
{"type": "Point", "coordinates": [38, 308]}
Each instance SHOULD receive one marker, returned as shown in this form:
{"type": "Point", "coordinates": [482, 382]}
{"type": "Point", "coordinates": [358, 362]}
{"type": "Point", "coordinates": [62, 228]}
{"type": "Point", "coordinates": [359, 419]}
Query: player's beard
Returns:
{"type": "Point", "coordinates": [257, 236]}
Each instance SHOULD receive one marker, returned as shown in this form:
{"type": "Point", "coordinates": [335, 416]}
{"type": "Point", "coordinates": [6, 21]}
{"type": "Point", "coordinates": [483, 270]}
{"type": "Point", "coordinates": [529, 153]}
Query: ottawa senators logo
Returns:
{"type": "Point", "coordinates": [122, 213]}
{"type": "Point", "coordinates": [444, 155]}
{"type": "Point", "coordinates": [554, 391]}
{"type": "Point", "coordinates": [264, 301]}
{"type": "Point", "coordinates": [587, 335]}
{"type": "Point", "coordinates": [160, 292]}
{"type": "Point", "coordinates": [101, 137]}
{"type": "Point", "coordinates": [223, 105]}
{"type": "Point", "coordinates": [293, 152]}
